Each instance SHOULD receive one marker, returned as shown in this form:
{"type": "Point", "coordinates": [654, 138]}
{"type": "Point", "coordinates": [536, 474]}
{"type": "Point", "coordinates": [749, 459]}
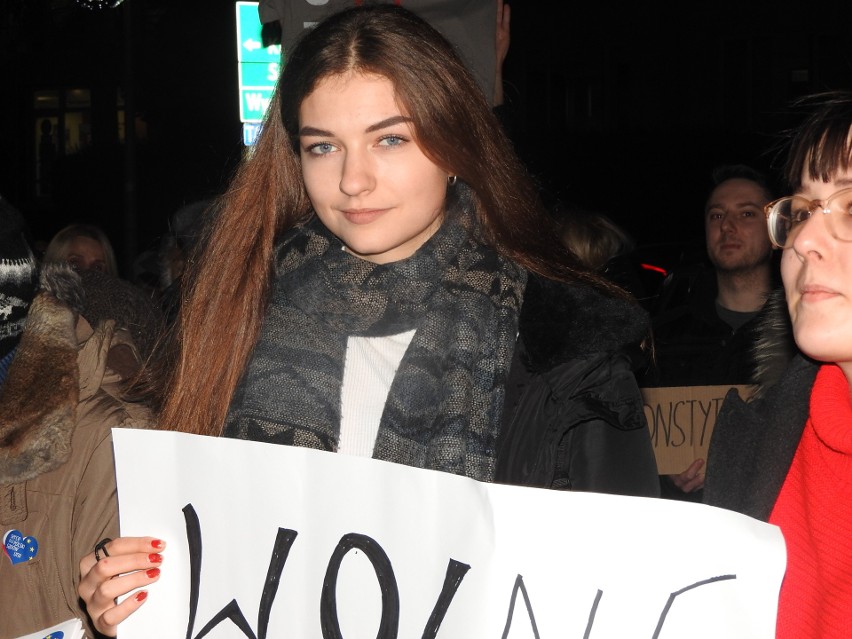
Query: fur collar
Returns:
{"type": "Point", "coordinates": [39, 399]}
{"type": "Point", "coordinates": [775, 347]}
{"type": "Point", "coordinates": [560, 322]}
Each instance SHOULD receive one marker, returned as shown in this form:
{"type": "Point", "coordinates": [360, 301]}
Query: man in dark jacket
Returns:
{"type": "Point", "coordinates": [704, 339]}
{"type": "Point", "coordinates": [707, 339]}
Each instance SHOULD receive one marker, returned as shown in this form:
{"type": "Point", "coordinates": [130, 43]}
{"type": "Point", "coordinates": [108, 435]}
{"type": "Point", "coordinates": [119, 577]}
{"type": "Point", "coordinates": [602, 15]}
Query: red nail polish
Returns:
{"type": "Point", "coordinates": [141, 595]}
{"type": "Point", "coordinates": [153, 572]}
{"type": "Point", "coordinates": [157, 543]}
{"type": "Point", "coordinates": [155, 558]}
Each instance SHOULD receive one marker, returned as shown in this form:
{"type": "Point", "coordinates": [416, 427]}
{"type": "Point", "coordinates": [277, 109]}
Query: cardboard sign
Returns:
{"type": "Point", "coordinates": [681, 421]}
{"type": "Point", "coordinates": [276, 541]}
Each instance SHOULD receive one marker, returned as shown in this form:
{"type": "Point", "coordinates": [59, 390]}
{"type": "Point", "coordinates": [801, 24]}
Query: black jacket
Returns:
{"type": "Point", "coordinates": [693, 346]}
{"type": "Point", "coordinates": [573, 418]}
{"type": "Point", "coordinates": [753, 444]}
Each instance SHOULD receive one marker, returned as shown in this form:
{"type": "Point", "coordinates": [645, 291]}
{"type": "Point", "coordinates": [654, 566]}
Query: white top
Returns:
{"type": "Point", "coordinates": [368, 371]}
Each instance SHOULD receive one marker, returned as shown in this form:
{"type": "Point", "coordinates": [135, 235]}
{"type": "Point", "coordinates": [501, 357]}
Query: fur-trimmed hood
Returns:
{"type": "Point", "coordinates": [559, 322]}
{"type": "Point", "coordinates": [39, 399]}
{"type": "Point", "coordinates": [775, 347]}
{"type": "Point", "coordinates": [66, 370]}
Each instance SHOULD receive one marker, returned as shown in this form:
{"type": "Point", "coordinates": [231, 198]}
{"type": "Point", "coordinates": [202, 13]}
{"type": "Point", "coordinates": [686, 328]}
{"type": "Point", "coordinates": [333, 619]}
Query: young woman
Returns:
{"type": "Point", "coordinates": [360, 290]}
{"type": "Point", "coordinates": [787, 458]}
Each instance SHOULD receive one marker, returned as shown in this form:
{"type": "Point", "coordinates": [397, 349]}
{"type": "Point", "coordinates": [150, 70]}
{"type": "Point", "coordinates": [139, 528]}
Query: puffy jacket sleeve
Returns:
{"type": "Point", "coordinates": [580, 426]}
{"type": "Point", "coordinates": [96, 502]}
{"type": "Point", "coordinates": [605, 446]}
{"type": "Point", "coordinates": [96, 507]}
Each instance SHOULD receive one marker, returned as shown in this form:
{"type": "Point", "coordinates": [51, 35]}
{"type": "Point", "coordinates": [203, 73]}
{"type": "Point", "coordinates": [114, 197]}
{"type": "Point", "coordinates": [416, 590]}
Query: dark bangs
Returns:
{"type": "Point", "coordinates": [822, 145]}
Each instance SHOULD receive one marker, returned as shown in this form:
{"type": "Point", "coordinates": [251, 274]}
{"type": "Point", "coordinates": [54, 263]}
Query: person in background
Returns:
{"type": "Point", "coordinates": [707, 339]}
{"type": "Point", "coordinates": [786, 458]}
{"type": "Point", "coordinates": [374, 261]}
{"type": "Point", "coordinates": [18, 280]}
{"type": "Point", "coordinates": [603, 246]}
{"type": "Point", "coordinates": [59, 397]}
{"type": "Point", "coordinates": [702, 339]}
{"type": "Point", "coordinates": [84, 247]}
{"type": "Point", "coordinates": [175, 249]}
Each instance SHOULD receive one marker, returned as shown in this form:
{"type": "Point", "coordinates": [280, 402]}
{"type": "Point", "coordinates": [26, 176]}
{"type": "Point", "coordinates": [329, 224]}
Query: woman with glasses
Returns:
{"type": "Point", "coordinates": [787, 458]}
{"type": "Point", "coordinates": [364, 283]}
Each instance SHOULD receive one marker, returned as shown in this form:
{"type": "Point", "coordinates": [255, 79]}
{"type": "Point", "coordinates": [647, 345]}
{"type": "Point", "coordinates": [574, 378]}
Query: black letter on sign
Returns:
{"type": "Point", "coordinates": [672, 596]}
{"type": "Point", "coordinates": [455, 573]}
{"type": "Point", "coordinates": [329, 622]}
{"type": "Point", "coordinates": [280, 551]}
{"type": "Point", "coordinates": [592, 614]}
{"type": "Point", "coordinates": [519, 585]}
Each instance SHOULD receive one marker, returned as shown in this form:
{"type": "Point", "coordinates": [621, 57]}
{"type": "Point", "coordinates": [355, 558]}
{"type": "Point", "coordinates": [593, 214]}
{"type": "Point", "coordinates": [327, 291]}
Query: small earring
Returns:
{"type": "Point", "coordinates": [451, 179]}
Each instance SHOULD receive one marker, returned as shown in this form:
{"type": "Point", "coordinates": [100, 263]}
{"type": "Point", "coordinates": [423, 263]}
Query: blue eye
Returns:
{"type": "Point", "coordinates": [392, 140]}
{"type": "Point", "coordinates": [321, 148]}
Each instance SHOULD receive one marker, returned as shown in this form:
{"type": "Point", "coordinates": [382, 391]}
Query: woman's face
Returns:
{"type": "Point", "coordinates": [86, 254]}
{"type": "Point", "coordinates": [817, 274]}
{"type": "Point", "coordinates": [366, 177]}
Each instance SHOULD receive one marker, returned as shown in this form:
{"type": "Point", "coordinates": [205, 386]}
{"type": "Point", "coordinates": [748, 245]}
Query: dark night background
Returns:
{"type": "Point", "coordinates": [619, 107]}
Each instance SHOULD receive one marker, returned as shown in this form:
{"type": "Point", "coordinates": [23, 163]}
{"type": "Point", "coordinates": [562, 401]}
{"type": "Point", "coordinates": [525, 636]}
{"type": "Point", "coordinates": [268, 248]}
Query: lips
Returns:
{"type": "Point", "coordinates": [729, 246]}
{"type": "Point", "coordinates": [363, 216]}
{"type": "Point", "coordinates": [816, 292]}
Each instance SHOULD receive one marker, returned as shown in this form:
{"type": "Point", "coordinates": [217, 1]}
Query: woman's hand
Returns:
{"type": "Point", "coordinates": [690, 480]}
{"type": "Point", "coordinates": [128, 563]}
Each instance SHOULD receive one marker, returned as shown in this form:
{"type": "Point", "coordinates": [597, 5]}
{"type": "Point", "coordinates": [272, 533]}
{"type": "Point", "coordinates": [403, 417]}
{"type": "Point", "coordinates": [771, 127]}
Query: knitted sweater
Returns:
{"type": "Point", "coordinates": [814, 511]}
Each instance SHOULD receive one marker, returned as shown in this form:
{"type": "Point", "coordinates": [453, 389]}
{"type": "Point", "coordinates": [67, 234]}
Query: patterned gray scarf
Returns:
{"type": "Point", "coordinates": [444, 406]}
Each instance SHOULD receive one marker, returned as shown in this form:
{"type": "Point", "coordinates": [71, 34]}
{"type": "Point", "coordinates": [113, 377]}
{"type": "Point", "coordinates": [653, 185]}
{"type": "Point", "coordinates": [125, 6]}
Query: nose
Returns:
{"type": "Point", "coordinates": [729, 222]}
{"type": "Point", "coordinates": [357, 173]}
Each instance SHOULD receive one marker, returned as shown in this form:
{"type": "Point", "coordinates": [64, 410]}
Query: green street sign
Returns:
{"type": "Point", "coordinates": [257, 65]}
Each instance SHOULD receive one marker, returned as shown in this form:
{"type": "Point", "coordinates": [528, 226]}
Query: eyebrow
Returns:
{"type": "Point", "coordinates": [378, 126]}
{"type": "Point", "coordinates": [711, 206]}
{"type": "Point", "coordinates": [843, 183]}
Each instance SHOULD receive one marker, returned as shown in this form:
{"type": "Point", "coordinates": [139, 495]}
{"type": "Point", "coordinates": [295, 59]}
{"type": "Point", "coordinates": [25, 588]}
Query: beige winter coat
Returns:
{"type": "Point", "coordinates": [57, 479]}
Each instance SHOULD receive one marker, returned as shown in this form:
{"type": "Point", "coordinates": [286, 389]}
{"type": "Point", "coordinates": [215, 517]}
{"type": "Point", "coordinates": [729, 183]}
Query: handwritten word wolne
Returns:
{"type": "Point", "coordinates": [389, 624]}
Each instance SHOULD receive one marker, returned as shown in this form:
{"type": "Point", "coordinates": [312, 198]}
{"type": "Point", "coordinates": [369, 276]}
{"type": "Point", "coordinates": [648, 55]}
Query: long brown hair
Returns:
{"type": "Point", "coordinates": [228, 280]}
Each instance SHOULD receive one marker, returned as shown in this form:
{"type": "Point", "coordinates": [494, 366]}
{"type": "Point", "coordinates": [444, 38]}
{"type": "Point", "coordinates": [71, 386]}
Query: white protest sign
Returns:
{"type": "Point", "coordinates": [275, 541]}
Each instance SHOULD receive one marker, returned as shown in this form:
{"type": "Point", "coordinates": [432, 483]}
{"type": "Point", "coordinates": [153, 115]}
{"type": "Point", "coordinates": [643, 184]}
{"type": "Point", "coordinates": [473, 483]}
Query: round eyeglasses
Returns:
{"type": "Point", "coordinates": [786, 216]}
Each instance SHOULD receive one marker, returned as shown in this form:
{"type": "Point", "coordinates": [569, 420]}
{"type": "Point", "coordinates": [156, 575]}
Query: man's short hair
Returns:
{"type": "Point", "coordinates": [726, 172]}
